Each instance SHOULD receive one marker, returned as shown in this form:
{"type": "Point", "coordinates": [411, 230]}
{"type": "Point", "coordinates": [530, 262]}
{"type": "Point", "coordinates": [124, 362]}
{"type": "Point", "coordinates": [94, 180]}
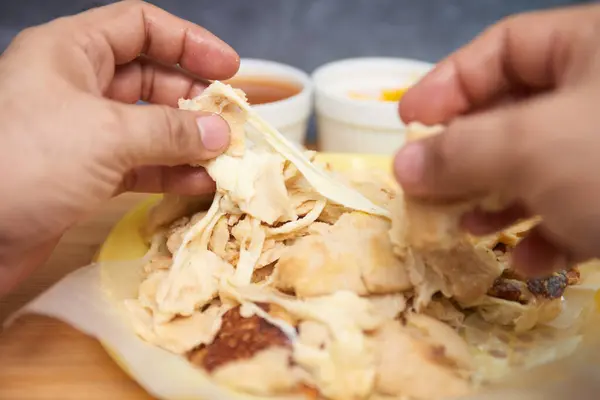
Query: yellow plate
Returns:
{"type": "Point", "coordinates": [125, 241]}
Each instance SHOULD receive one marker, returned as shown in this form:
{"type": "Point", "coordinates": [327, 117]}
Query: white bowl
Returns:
{"type": "Point", "coordinates": [290, 116]}
{"type": "Point", "coordinates": [350, 125]}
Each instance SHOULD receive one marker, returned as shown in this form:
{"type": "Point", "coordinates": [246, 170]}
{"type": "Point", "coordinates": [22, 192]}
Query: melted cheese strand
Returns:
{"type": "Point", "coordinates": [248, 308]}
{"type": "Point", "coordinates": [249, 256]}
{"type": "Point", "coordinates": [168, 288]}
{"type": "Point", "coordinates": [332, 189]}
{"type": "Point", "coordinates": [299, 223]}
{"type": "Point", "coordinates": [346, 368]}
{"type": "Point", "coordinates": [197, 229]}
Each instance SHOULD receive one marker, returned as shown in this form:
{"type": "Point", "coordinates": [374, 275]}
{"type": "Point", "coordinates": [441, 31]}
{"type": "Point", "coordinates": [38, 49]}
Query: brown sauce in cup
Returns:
{"type": "Point", "coordinates": [261, 90]}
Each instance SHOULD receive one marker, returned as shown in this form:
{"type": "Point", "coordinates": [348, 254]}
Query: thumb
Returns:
{"type": "Point", "coordinates": [162, 135]}
{"type": "Point", "coordinates": [492, 151]}
{"type": "Point", "coordinates": [538, 152]}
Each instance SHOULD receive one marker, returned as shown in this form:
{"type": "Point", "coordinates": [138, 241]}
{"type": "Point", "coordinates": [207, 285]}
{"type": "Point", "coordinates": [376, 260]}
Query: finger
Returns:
{"type": "Point", "coordinates": [23, 264]}
{"type": "Point", "coordinates": [480, 222]}
{"type": "Point", "coordinates": [120, 32]}
{"type": "Point", "coordinates": [154, 83]}
{"type": "Point", "coordinates": [493, 151]}
{"type": "Point", "coordinates": [181, 180]}
{"type": "Point", "coordinates": [535, 256]}
{"type": "Point", "coordinates": [530, 51]}
{"type": "Point", "coordinates": [162, 135]}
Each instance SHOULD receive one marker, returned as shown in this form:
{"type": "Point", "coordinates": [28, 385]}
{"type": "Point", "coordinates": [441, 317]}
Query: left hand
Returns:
{"type": "Point", "coordinates": [69, 140]}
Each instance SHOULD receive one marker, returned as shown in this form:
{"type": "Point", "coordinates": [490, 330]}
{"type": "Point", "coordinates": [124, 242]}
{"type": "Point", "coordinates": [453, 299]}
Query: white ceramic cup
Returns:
{"type": "Point", "coordinates": [290, 116]}
{"type": "Point", "coordinates": [349, 125]}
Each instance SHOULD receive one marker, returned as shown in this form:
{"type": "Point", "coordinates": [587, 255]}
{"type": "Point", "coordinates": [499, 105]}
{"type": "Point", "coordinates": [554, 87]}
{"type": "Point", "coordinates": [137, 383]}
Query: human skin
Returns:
{"type": "Point", "coordinates": [70, 137]}
{"type": "Point", "coordinates": [521, 106]}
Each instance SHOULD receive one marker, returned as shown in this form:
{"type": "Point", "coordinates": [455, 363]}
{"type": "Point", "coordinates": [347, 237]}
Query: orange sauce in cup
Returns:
{"type": "Point", "coordinates": [261, 90]}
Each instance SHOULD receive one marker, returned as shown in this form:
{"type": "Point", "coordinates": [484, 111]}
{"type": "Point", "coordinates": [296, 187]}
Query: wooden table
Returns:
{"type": "Point", "coordinates": [41, 358]}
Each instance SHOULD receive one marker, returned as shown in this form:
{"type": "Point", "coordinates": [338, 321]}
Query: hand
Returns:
{"type": "Point", "coordinates": [69, 140]}
{"type": "Point", "coordinates": [522, 108]}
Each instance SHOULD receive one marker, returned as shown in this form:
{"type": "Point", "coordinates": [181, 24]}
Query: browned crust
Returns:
{"type": "Point", "coordinates": [573, 276]}
{"type": "Point", "coordinates": [238, 339]}
{"type": "Point", "coordinates": [241, 338]}
{"type": "Point", "coordinates": [551, 287]}
{"type": "Point", "coordinates": [507, 290]}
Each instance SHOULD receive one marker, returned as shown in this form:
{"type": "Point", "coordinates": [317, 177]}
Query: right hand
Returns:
{"type": "Point", "coordinates": [521, 104]}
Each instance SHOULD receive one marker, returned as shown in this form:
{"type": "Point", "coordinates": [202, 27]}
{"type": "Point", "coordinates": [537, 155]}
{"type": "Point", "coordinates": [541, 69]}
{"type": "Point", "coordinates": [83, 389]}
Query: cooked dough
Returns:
{"type": "Point", "coordinates": [422, 360]}
{"type": "Point", "coordinates": [354, 254]}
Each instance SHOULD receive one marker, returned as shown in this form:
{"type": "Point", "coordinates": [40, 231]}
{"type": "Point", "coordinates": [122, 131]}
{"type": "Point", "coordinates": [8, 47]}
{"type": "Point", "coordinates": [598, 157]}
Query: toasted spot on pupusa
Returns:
{"type": "Point", "coordinates": [250, 354]}
{"type": "Point", "coordinates": [239, 338]}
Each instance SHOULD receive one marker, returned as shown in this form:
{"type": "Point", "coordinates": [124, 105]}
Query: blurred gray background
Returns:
{"type": "Point", "coordinates": [308, 33]}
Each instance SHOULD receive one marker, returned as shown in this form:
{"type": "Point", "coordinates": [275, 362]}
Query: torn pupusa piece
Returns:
{"type": "Point", "coordinates": [439, 255]}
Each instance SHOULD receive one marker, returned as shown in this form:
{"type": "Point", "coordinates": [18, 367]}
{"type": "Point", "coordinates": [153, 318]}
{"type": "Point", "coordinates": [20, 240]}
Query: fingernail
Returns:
{"type": "Point", "coordinates": [214, 132]}
{"type": "Point", "coordinates": [410, 163]}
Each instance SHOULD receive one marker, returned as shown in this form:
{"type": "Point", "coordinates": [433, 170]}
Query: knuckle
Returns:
{"type": "Point", "coordinates": [446, 149]}
{"type": "Point", "coordinates": [513, 20]}
{"type": "Point", "coordinates": [135, 6]}
{"type": "Point", "coordinates": [31, 39]}
{"type": "Point", "coordinates": [151, 134]}
{"type": "Point", "coordinates": [148, 73]}
{"type": "Point", "coordinates": [439, 164]}
{"type": "Point", "coordinates": [508, 24]}
{"type": "Point", "coordinates": [119, 126]}
{"type": "Point", "coordinates": [135, 3]}
{"type": "Point", "coordinates": [499, 27]}
{"type": "Point", "coordinates": [517, 141]}
{"type": "Point", "coordinates": [26, 34]}
{"type": "Point", "coordinates": [129, 182]}
{"type": "Point", "coordinates": [518, 21]}
{"type": "Point", "coordinates": [173, 126]}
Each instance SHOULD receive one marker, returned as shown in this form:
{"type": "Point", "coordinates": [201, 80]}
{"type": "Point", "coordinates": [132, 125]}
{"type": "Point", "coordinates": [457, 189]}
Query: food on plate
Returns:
{"type": "Point", "coordinates": [354, 254]}
{"type": "Point", "coordinates": [297, 280]}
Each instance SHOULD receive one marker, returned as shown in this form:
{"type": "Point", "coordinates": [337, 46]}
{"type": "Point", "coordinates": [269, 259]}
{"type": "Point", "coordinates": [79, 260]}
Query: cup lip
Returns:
{"type": "Point", "coordinates": [318, 77]}
{"type": "Point", "coordinates": [283, 71]}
